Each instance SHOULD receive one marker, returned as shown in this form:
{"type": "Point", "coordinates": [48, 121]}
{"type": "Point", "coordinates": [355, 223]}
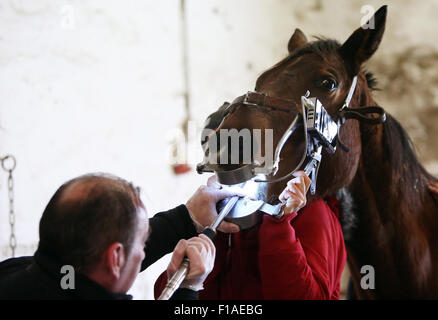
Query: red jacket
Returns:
{"type": "Point", "coordinates": [300, 256]}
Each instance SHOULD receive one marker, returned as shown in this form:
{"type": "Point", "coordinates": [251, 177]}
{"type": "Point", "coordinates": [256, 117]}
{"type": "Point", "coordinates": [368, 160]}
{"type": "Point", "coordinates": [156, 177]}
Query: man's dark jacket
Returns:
{"type": "Point", "coordinates": [39, 276]}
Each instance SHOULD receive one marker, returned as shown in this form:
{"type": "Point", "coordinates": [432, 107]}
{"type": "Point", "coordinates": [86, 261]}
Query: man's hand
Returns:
{"type": "Point", "coordinates": [202, 205]}
{"type": "Point", "coordinates": [201, 253]}
{"type": "Point", "coordinates": [294, 195]}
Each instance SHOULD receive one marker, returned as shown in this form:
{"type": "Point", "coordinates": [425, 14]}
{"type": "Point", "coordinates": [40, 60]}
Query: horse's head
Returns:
{"type": "Point", "coordinates": [326, 69]}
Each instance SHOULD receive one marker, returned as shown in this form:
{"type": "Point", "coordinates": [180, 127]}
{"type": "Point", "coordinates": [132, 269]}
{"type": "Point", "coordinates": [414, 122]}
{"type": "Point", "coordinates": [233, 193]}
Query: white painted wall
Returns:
{"type": "Point", "coordinates": [97, 86]}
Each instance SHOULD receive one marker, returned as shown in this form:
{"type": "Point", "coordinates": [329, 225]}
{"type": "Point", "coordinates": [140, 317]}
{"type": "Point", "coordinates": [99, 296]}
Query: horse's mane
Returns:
{"type": "Point", "coordinates": [400, 151]}
{"type": "Point", "coordinates": [409, 177]}
{"type": "Point", "coordinates": [371, 80]}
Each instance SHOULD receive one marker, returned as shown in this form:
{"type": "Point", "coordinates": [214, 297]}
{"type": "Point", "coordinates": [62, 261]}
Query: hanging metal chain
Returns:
{"type": "Point", "coordinates": [8, 164]}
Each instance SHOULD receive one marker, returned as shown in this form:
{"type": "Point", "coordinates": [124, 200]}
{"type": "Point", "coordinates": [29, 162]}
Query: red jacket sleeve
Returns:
{"type": "Point", "coordinates": [302, 256]}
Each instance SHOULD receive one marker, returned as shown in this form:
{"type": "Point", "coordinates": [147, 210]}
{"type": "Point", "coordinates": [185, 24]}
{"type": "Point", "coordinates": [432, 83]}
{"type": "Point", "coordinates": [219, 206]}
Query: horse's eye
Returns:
{"type": "Point", "coordinates": [328, 84]}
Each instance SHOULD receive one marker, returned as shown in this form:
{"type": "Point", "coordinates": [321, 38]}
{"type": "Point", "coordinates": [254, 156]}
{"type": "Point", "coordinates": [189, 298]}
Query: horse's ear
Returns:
{"type": "Point", "coordinates": [362, 44]}
{"type": "Point", "coordinates": [297, 40]}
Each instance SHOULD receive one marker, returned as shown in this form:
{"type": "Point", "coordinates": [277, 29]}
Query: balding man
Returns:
{"type": "Point", "coordinates": [93, 234]}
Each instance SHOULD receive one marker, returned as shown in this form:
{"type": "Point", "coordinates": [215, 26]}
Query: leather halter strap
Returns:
{"type": "Point", "coordinates": [261, 100]}
{"type": "Point", "coordinates": [360, 113]}
{"type": "Point", "coordinates": [364, 114]}
{"type": "Point", "coordinates": [250, 99]}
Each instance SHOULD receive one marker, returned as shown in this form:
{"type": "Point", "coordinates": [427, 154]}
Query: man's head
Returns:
{"type": "Point", "coordinates": [98, 224]}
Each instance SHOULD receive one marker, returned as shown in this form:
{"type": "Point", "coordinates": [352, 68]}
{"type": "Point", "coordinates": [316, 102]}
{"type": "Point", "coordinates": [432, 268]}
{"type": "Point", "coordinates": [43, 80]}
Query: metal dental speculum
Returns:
{"type": "Point", "coordinates": [320, 131]}
{"type": "Point", "coordinates": [319, 124]}
{"type": "Point", "coordinates": [247, 212]}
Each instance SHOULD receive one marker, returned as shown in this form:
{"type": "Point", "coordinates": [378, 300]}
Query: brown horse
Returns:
{"type": "Point", "coordinates": [390, 215]}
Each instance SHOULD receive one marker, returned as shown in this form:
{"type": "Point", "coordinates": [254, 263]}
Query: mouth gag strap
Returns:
{"type": "Point", "coordinates": [360, 113]}
{"type": "Point", "coordinates": [364, 114]}
{"type": "Point", "coordinates": [262, 100]}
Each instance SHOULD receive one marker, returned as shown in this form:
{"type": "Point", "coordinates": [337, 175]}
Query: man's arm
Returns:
{"type": "Point", "coordinates": [167, 228]}
{"type": "Point", "coordinates": [186, 221]}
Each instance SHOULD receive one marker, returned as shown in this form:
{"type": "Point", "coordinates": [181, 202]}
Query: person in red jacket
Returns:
{"type": "Point", "coordinates": [299, 256]}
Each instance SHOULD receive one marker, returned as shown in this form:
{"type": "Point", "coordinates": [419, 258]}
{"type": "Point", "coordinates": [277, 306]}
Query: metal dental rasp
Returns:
{"type": "Point", "coordinates": [210, 231]}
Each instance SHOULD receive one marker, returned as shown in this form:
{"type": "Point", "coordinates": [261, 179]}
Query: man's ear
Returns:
{"type": "Point", "coordinates": [362, 44]}
{"type": "Point", "coordinates": [115, 259]}
{"type": "Point", "coordinates": [297, 41]}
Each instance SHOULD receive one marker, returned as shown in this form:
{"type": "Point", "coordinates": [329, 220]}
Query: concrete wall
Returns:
{"type": "Point", "coordinates": [98, 86]}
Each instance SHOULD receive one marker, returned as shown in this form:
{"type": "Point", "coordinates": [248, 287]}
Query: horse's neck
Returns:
{"type": "Point", "coordinates": [390, 206]}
